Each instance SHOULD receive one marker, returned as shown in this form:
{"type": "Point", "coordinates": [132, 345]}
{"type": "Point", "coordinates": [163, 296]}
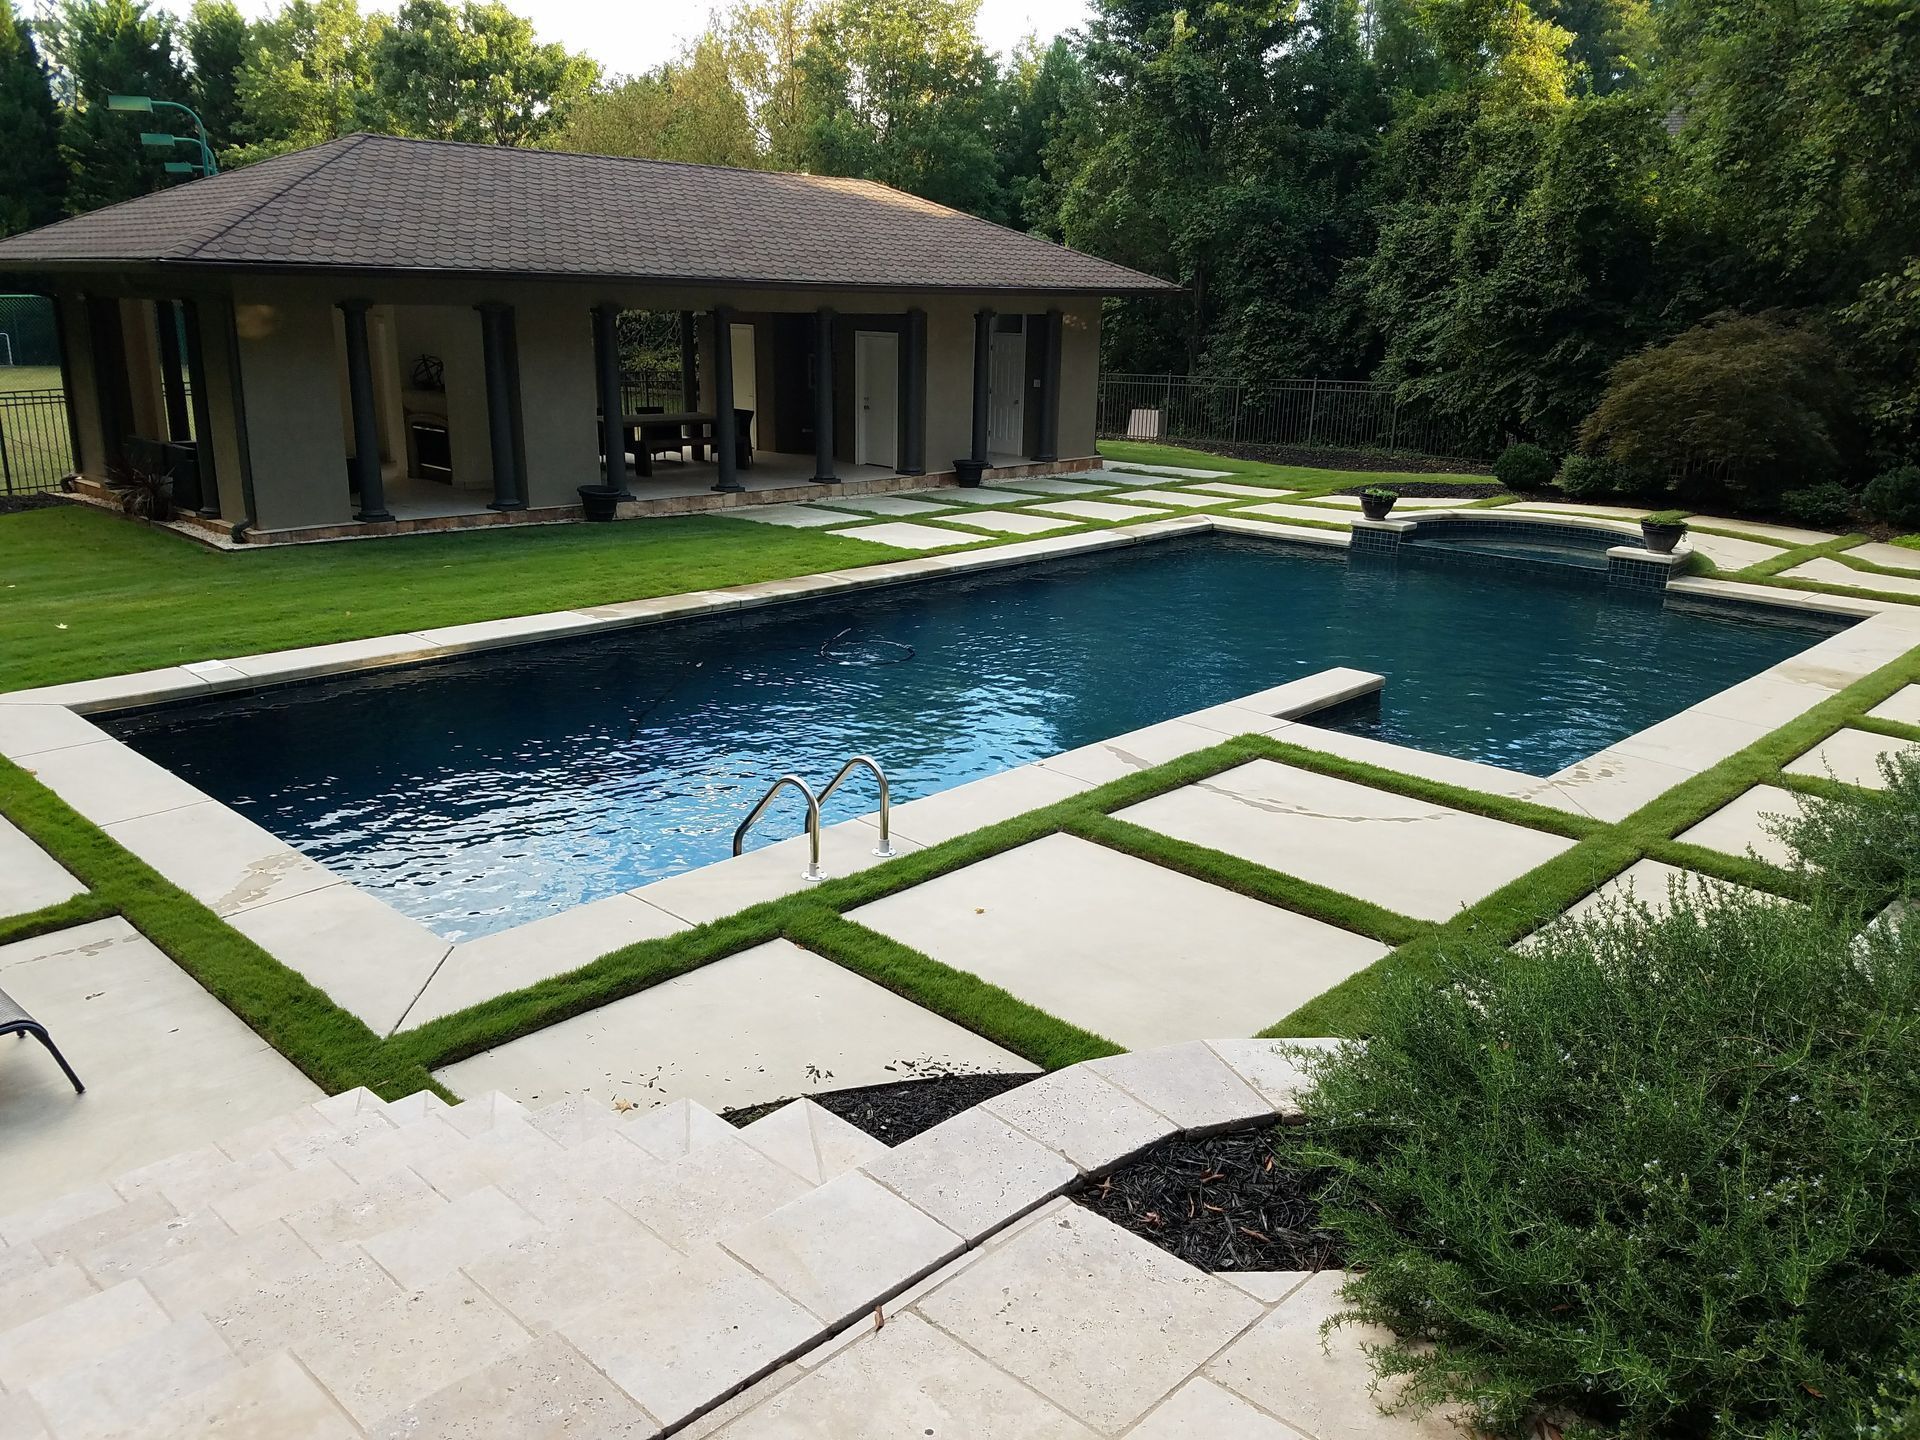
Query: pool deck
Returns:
{"type": "Point", "coordinates": [1106, 921]}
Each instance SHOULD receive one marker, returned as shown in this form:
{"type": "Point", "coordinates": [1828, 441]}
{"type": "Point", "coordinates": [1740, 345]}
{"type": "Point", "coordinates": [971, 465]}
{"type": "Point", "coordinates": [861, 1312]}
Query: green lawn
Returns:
{"type": "Point", "coordinates": [1292, 477]}
{"type": "Point", "coordinates": [84, 593]}
{"type": "Point", "coordinates": [29, 377]}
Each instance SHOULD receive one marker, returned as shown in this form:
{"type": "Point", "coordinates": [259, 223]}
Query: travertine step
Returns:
{"type": "Point", "coordinates": [358, 1268]}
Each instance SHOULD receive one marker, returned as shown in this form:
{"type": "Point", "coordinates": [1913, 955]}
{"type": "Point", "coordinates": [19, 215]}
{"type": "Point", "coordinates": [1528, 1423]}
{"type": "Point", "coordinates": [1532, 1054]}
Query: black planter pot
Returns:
{"type": "Point", "coordinates": [599, 501]}
{"type": "Point", "coordinates": [1377, 509]}
{"type": "Point", "coordinates": [1661, 538]}
{"type": "Point", "coordinates": [968, 472]}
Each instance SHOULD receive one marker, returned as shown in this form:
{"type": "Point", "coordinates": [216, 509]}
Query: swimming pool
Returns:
{"type": "Point", "coordinates": [489, 791]}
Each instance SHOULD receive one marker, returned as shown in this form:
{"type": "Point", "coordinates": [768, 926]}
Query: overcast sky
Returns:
{"type": "Point", "coordinates": [627, 36]}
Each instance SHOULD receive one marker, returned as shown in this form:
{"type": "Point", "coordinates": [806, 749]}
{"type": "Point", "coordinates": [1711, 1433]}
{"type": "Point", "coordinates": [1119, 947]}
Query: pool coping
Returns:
{"type": "Point", "coordinates": [384, 966]}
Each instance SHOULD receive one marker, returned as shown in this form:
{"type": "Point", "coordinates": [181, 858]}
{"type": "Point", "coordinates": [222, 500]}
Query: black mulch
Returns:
{"type": "Point", "coordinates": [901, 1109]}
{"type": "Point", "coordinates": [1439, 489]}
{"type": "Point", "coordinates": [19, 504]}
{"type": "Point", "coordinates": [1225, 1202]}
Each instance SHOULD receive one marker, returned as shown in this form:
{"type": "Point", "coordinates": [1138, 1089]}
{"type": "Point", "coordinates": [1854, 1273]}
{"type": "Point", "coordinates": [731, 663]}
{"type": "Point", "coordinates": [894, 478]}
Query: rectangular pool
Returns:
{"type": "Point", "coordinates": [485, 792]}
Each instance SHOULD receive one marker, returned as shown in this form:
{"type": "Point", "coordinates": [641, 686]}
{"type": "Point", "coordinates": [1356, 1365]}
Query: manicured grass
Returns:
{"type": "Point", "coordinates": [29, 377]}
{"type": "Point", "coordinates": [88, 594]}
{"type": "Point", "coordinates": [1259, 472]}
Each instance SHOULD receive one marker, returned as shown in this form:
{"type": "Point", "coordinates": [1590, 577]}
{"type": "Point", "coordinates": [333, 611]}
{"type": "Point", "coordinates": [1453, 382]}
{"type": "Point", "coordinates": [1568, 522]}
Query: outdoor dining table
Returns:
{"type": "Point", "coordinates": [695, 425]}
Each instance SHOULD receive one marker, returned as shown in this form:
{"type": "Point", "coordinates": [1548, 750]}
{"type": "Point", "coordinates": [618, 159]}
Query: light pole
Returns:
{"type": "Point", "coordinates": [164, 140]}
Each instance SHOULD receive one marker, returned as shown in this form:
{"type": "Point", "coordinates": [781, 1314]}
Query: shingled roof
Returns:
{"type": "Point", "coordinates": [377, 203]}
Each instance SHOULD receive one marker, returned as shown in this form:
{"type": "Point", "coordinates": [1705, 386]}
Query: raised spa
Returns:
{"type": "Point", "coordinates": [484, 792]}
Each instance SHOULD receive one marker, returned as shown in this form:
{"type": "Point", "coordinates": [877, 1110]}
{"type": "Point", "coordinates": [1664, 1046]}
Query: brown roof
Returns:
{"type": "Point", "coordinates": [374, 202]}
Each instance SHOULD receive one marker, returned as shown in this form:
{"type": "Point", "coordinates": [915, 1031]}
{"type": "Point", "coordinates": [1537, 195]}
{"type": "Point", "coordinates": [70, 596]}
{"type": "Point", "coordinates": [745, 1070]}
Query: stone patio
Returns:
{"type": "Point", "coordinates": [1852, 757]}
{"type": "Point", "coordinates": [167, 1067]}
{"type": "Point", "coordinates": [1133, 952]}
{"type": "Point", "coordinates": [29, 878]}
{"type": "Point", "coordinates": [765, 1024]}
{"type": "Point", "coordinates": [1741, 827]}
{"type": "Point", "coordinates": [1420, 859]}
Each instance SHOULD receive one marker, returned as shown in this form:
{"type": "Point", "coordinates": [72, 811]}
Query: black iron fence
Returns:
{"type": "Point", "coordinates": [659, 389]}
{"type": "Point", "coordinates": [1310, 414]}
{"type": "Point", "coordinates": [36, 447]}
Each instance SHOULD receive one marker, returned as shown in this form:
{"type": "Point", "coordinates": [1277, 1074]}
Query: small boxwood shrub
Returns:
{"type": "Point", "coordinates": [1827, 506]}
{"type": "Point", "coordinates": [1649, 1177]}
{"type": "Point", "coordinates": [1862, 853]}
{"type": "Point", "coordinates": [1590, 477]}
{"type": "Point", "coordinates": [1523, 467]}
{"type": "Point", "coordinates": [1893, 496]}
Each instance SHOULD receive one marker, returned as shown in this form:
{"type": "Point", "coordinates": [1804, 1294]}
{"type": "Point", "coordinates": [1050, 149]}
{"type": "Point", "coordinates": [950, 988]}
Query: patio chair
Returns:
{"type": "Point", "coordinates": [15, 1021]}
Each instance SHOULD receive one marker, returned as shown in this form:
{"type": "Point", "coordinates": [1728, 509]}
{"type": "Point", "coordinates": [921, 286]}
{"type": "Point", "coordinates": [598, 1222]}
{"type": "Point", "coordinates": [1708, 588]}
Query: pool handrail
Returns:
{"type": "Point", "coordinates": [885, 848]}
{"type": "Point", "coordinates": [813, 822]}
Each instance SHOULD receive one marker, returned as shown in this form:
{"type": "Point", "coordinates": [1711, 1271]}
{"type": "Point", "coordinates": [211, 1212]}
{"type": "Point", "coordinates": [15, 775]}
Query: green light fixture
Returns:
{"type": "Point", "coordinates": [161, 140]}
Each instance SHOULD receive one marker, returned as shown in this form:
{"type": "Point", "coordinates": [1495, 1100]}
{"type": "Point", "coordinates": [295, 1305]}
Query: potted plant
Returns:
{"type": "Point", "coordinates": [1663, 530]}
{"type": "Point", "coordinates": [142, 490]}
{"type": "Point", "coordinates": [1376, 501]}
{"type": "Point", "coordinates": [599, 501]}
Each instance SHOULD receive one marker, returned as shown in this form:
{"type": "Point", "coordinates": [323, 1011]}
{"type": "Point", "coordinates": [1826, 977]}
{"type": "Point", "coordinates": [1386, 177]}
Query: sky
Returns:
{"type": "Point", "coordinates": [628, 36]}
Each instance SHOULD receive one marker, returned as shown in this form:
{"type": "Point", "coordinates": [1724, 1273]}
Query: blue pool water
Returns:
{"type": "Point", "coordinates": [486, 792]}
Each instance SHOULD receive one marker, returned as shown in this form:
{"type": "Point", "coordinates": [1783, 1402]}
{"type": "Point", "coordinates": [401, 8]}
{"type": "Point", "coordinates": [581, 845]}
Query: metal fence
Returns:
{"type": "Point", "coordinates": [36, 447]}
{"type": "Point", "coordinates": [659, 388]}
{"type": "Point", "coordinates": [1310, 414]}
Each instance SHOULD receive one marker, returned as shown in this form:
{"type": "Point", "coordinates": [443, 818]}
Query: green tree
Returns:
{"type": "Point", "coordinates": [1045, 97]}
{"type": "Point", "coordinates": [900, 91]}
{"type": "Point", "coordinates": [309, 78]}
{"type": "Point", "coordinates": [32, 179]}
{"type": "Point", "coordinates": [107, 47]}
{"type": "Point", "coordinates": [688, 109]}
{"type": "Point", "coordinates": [475, 74]}
{"type": "Point", "coordinates": [218, 43]}
{"type": "Point", "coordinates": [764, 41]}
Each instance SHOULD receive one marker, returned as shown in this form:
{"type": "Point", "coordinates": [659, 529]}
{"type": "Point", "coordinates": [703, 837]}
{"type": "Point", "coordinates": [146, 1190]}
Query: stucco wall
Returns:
{"type": "Point", "coordinates": [558, 403]}
{"type": "Point", "coordinates": [289, 370]}
{"type": "Point", "coordinates": [1079, 377]}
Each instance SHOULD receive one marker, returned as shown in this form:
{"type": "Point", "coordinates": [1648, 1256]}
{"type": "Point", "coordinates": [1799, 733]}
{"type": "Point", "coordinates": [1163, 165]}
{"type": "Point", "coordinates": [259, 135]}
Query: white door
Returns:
{"type": "Point", "coordinates": [876, 386]}
{"type": "Point", "coordinates": [746, 387]}
{"type": "Point", "coordinates": [1007, 390]}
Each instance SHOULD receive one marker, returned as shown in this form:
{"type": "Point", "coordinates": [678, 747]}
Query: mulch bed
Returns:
{"type": "Point", "coordinates": [1224, 1202]}
{"type": "Point", "coordinates": [901, 1109]}
{"type": "Point", "coordinates": [20, 504]}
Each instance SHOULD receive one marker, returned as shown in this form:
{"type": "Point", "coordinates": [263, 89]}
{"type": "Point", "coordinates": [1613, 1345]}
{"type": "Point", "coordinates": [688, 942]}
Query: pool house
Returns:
{"type": "Point", "coordinates": [378, 335]}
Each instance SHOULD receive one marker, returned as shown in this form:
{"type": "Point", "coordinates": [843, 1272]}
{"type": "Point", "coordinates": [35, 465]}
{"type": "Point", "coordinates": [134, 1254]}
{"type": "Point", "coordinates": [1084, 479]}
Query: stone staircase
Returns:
{"type": "Point", "coordinates": [359, 1268]}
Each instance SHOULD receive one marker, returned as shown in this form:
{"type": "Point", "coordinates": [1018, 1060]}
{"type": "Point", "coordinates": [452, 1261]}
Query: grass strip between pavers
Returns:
{"type": "Point", "coordinates": [1518, 908]}
{"type": "Point", "coordinates": [334, 1048]}
{"type": "Point", "coordinates": [81, 909]}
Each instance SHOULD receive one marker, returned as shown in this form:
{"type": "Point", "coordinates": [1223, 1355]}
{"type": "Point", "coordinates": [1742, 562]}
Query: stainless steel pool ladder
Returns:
{"type": "Point", "coordinates": [813, 872]}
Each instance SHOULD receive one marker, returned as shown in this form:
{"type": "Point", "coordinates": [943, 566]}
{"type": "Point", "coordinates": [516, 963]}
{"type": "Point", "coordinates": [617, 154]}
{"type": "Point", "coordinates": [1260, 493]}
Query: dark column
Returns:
{"type": "Point", "coordinates": [913, 394]}
{"type": "Point", "coordinates": [201, 394]}
{"type": "Point", "coordinates": [689, 363]}
{"type": "Point", "coordinates": [497, 360]}
{"type": "Point", "coordinates": [823, 397]}
{"type": "Point", "coordinates": [366, 423]}
{"type": "Point", "coordinates": [982, 379]}
{"type": "Point", "coordinates": [606, 358]}
{"type": "Point", "coordinates": [108, 342]}
{"type": "Point", "coordinates": [63, 316]}
{"type": "Point", "coordinates": [726, 435]}
{"type": "Point", "coordinates": [1048, 447]}
{"type": "Point", "coordinates": [173, 387]}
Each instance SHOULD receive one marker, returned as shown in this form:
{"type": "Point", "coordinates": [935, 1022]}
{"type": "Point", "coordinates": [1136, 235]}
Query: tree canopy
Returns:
{"type": "Point", "coordinates": [1491, 205]}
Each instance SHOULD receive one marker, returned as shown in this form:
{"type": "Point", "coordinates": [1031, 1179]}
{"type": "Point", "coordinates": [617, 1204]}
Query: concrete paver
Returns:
{"type": "Point", "coordinates": [1132, 951]}
{"type": "Point", "coordinates": [767, 1023]}
{"type": "Point", "coordinates": [167, 1066]}
{"type": "Point", "coordinates": [1851, 756]}
{"type": "Point", "coordinates": [1412, 856]}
